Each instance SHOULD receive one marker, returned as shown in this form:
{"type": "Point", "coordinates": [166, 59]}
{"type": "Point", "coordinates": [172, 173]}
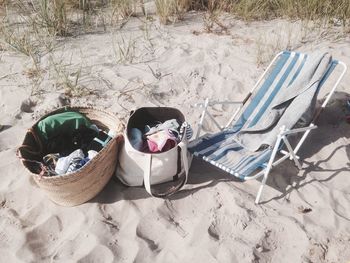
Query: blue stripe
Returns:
{"type": "Point", "coordinates": [233, 165]}
{"type": "Point", "coordinates": [205, 142]}
{"type": "Point", "coordinates": [209, 141]}
{"type": "Point", "coordinates": [275, 91]}
{"type": "Point", "coordinates": [298, 70]}
{"type": "Point", "coordinates": [328, 73]}
{"type": "Point", "coordinates": [245, 166]}
{"type": "Point", "coordinates": [231, 146]}
{"type": "Point", "coordinates": [263, 89]}
{"type": "Point", "coordinates": [244, 162]}
{"type": "Point", "coordinates": [263, 158]}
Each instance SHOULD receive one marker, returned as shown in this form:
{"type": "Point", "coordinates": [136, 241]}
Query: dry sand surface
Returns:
{"type": "Point", "coordinates": [214, 219]}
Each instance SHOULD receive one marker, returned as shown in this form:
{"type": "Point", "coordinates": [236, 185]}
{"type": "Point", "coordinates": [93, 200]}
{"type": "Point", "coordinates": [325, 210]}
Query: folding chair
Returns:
{"type": "Point", "coordinates": [283, 70]}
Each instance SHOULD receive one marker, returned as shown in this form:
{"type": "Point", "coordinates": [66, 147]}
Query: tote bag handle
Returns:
{"type": "Point", "coordinates": [182, 147]}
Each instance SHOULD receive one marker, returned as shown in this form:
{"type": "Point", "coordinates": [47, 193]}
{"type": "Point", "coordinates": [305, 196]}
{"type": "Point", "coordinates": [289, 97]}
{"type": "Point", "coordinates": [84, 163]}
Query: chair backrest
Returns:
{"type": "Point", "coordinates": [283, 72]}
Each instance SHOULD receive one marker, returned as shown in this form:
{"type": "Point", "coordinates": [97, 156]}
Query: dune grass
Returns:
{"type": "Point", "coordinates": [261, 9]}
{"type": "Point", "coordinates": [61, 18]}
{"type": "Point", "coordinates": [124, 8]}
{"type": "Point", "coordinates": [34, 27]}
{"type": "Point", "coordinates": [51, 14]}
{"type": "Point", "coordinates": [57, 15]}
{"type": "Point", "coordinates": [124, 48]}
{"type": "Point", "coordinates": [295, 9]}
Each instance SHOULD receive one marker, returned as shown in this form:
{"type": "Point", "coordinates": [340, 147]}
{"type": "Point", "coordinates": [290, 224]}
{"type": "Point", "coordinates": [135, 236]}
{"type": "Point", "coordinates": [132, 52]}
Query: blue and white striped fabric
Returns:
{"type": "Point", "coordinates": [221, 150]}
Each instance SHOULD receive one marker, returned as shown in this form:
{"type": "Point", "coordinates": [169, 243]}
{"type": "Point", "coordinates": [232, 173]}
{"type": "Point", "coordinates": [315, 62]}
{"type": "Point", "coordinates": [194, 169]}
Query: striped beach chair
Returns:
{"type": "Point", "coordinates": [221, 151]}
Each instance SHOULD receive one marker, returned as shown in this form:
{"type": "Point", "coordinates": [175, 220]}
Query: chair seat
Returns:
{"type": "Point", "coordinates": [222, 151]}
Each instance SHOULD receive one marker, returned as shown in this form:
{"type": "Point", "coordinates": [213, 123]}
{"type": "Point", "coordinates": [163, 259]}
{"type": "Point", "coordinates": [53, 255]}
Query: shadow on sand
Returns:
{"type": "Point", "coordinates": [285, 178]}
{"type": "Point", "coordinates": [332, 126]}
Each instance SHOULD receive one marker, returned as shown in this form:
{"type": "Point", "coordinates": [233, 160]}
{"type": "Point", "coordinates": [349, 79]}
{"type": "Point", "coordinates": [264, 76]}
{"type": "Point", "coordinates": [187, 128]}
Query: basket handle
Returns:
{"type": "Point", "coordinates": [28, 148]}
{"type": "Point", "coordinates": [147, 174]}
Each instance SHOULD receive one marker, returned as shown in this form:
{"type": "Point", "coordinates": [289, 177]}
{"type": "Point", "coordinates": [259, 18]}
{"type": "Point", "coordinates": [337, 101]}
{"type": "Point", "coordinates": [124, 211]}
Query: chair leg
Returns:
{"type": "Point", "coordinates": [269, 165]}
{"type": "Point", "coordinates": [266, 175]}
{"type": "Point", "coordinates": [200, 124]}
{"type": "Point", "coordinates": [291, 151]}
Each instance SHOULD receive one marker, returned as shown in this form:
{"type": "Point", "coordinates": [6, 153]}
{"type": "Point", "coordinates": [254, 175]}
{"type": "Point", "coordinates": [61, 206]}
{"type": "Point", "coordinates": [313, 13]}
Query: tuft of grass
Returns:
{"type": "Point", "coordinates": [295, 9]}
{"type": "Point", "coordinates": [212, 23]}
{"type": "Point", "coordinates": [124, 48]}
{"type": "Point", "coordinates": [3, 3]}
{"type": "Point", "coordinates": [181, 7]}
{"type": "Point", "coordinates": [18, 40]}
{"type": "Point", "coordinates": [68, 79]}
{"type": "Point", "coordinates": [21, 41]}
{"type": "Point", "coordinates": [52, 15]}
{"type": "Point", "coordinates": [165, 9]}
{"type": "Point", "coordinates": [172, 10]}
{"type": "Point", "coordinates": [124, 8]}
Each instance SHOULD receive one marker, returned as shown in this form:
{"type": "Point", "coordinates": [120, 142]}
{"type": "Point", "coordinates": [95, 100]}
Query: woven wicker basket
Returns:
{"type": "Point", "coordinates": [76, 188]}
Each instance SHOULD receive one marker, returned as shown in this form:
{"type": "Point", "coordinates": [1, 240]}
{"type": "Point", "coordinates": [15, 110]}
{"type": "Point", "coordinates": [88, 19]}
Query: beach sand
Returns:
{"type": "Point", "coordinates": [304, 215]}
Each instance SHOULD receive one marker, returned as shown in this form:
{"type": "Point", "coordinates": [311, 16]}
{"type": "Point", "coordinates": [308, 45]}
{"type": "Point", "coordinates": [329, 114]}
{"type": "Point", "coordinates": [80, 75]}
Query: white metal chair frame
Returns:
{"type": "Point", "coordinates": [282, 136]}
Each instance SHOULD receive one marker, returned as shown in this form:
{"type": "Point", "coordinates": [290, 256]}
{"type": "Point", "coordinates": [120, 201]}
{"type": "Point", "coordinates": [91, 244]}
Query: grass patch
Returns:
{"type": "Point", "coordinates": [52, 14]}
{"type": "Point", "coordinates": [124, 8]}
{"type": "Point", "coordinates": [171, 11]}
{"type": "Point", "coordinates": [62, 17]}
{"type": "Point", "coordinates": [295, 9]}
{"type": "Point", "coordinates": [124, 48]}
{"type": "Point", "coordinates": [68, 78]}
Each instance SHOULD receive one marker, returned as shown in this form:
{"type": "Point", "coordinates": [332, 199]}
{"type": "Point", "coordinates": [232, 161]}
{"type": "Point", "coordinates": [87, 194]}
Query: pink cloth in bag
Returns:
{"type": "Point", "coordinates": [161, 141]}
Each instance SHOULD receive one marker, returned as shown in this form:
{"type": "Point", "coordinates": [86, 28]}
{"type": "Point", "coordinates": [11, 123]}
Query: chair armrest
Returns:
{"type": "Point", "coordinates": [298, 130]}
{"type": "Point", "coordinates": [205, 106]}
{"type": "Point", "coordinates": [212, 103]}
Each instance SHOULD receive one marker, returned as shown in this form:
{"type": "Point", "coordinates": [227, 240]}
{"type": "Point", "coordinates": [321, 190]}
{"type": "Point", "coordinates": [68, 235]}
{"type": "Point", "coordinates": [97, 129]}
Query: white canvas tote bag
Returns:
{"type": "Point", "coordinates": [136, 168]}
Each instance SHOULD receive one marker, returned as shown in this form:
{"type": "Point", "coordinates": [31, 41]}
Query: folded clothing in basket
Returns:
{"type": "Point", "coordinates": [65, 132]}
{"type": "Point", "coordinates": [56, 164]}
{"type": "Point", "coordinates": [69, 141]}
{"type": "Point", "coordinates": [61, 123]}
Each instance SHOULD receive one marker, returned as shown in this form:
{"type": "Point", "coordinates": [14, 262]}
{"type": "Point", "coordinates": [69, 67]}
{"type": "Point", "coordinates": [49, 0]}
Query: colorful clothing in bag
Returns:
{"type": "Point", "coordinates": [167, 125]}
{"type": "Point", "coordinates": [162, 141]}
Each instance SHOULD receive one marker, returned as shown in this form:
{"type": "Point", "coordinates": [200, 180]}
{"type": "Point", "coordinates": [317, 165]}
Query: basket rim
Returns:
{"type": "Point", "coordinates": [119, 137]}
{"type": "Point", "coordinates": [76, 108]}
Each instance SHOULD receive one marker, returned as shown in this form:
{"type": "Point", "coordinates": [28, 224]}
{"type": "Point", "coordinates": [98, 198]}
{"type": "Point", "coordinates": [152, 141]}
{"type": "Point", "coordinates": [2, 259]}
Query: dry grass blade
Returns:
{"type": "Point", "coordinates": [68, 79]}
{"type": "Point", "coordinates": [51, 14]}
{"type": "Point", "coordinates": [21, 41]}
{"type": "Point", "coordinates": [172, 10]}
{"type": "Point", "coordinates": [60, 17]}
{"type": "Point", "coordinates": [3, 3]}
{"type": "Point", "coordinates": [165, 9]}
{"type": "Point", "coordinates": [211, 20]}
{"type": "Point", "coordinates": [124, 48]}
{"type": "Point", "coordinates": [124, 8]}
{"type": "Point", "coordinates": [301, 9]}
{"type": "Point", "coordinates": [17, 40]}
